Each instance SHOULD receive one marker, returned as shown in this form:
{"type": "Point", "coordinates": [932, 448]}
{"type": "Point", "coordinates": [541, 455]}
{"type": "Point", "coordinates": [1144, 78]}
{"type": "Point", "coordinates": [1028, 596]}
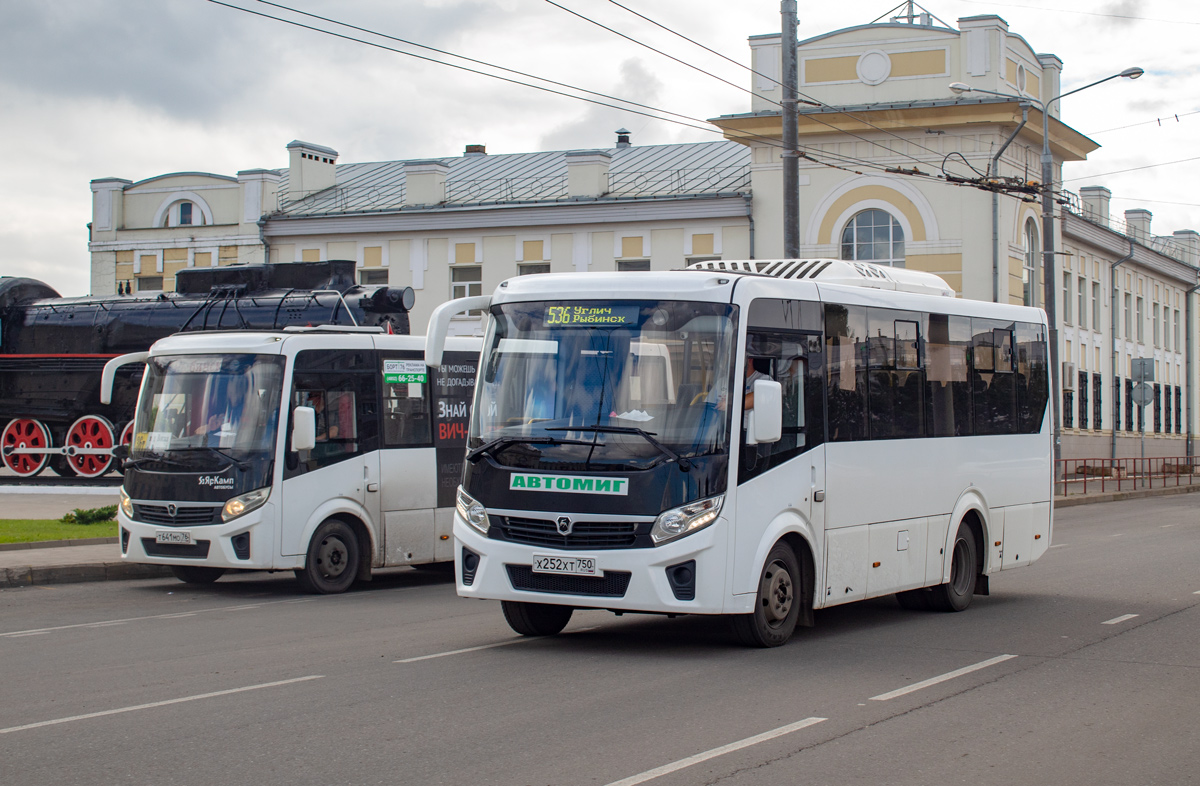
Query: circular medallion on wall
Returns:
{"type": "Point", "coordinates": [874, 67]}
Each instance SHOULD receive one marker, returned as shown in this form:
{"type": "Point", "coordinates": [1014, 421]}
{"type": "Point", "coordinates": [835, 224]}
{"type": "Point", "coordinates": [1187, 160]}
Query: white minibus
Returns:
{"type": "Point", "coordinates": [329, 451]}
{"type": "Point", "coordinates": [757, 439]}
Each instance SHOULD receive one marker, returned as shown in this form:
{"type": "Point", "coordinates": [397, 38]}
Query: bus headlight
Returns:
{"type": "Point", "coordinates": [686, 519]}
{"type": "Point", "coordinates": [244, 503]}
{"type": "Point", "coordinates": [472, 512]}
{"type": "Point", "coordinates": [126, 504]}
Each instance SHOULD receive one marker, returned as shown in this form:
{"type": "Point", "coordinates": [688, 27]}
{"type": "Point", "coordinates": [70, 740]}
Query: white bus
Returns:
{"type": "Point", "coordinates": [328, 451]}
{"type": "Point", "coordinates": [816, 432]}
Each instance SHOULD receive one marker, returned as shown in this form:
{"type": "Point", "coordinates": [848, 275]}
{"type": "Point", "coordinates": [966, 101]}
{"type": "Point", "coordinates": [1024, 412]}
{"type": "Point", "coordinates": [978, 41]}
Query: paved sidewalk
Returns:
{"type": "Point", "coordinates": [53, 564]}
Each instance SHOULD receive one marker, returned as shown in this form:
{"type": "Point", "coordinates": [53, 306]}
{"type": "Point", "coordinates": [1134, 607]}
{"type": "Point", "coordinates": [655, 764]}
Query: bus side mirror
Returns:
{"type": "Point", "coordinates": [304, 428]}
{"type": "Point", "coordinates": [765, 421]}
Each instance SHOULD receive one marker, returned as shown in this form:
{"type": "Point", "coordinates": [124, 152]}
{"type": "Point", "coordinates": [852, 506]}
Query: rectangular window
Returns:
{"type": "Point", "coordinates": [1178, 409]}
{"type": "Point", "coordinates": [1068, 410]}
{"type": "Point", "coordinates": [533, 268]}
{"type": "Point", "coordinates": [1116, 404]}
{"type": "Point", "coordinates": [633, 265]}
{"type": "Point", "coordinates": [1082, 294]}
{"type": "Point", "coordinates": [1175, 332]}
{"type": "Point", "coordinates": [1129, 405]}
{"type": "Point", "coordinates": [373, 277]}
{"type": "Point", "coordinates": [185, 213]}
{"type": "Point", "coordinates": [793, 360]}
{"type": "Point", "coordinates": [1096, 305]}
{"type": "Point", "coordinates": [947, 374]}
{"type": "Point", "coordinates": [1066, 299]}
{"type": "Point", "coordinates": [1128, 315]}
{"type": "Point", "coordinates": [994, 385]}
{"type": "Point", "coordinates": [466, 281]}
{"type": "Point", "coordinates": [846, 362]}
{"type": "Point", "coordinates": [150, 283]}
{"type": "Point", "coordinates": [894, 397]}
{"type": "Point", "coordinates": [1157, 334]}
{"type": "Point", "coordinates": [1157, 408]}
{"type": "Point", "coordinates": [340, 385]}
{"type": "Point", "coordinates": [406, 418]}
{"type": "Point", "coordinates": [1097, 408]}
{"type": "Point", "coordinates": [1167, 409]}
{"type": "Point", "coordinates": [1083, 400]}
{"type": "Point", "coordinates": [1141, 321]}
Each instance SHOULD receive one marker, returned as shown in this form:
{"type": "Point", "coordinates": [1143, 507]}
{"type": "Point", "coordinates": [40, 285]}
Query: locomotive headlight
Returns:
{"type": "Point", "coordinates": [472, 511]}
{"type": "Point", "coordinates": [686, 519]}
{"type": "Point", "coordinates": [126, 504]}
{"type": "Point", "coordinates": [244, 503]}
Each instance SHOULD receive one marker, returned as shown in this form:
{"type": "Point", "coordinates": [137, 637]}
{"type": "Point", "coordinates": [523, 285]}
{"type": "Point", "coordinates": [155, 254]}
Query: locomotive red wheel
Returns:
{"type": "Point", "coordinates": [127, 434]}
{"type": "Point", "coordinates": [25, 434]}
{"type": "Point", "coordinates": [90, 433]}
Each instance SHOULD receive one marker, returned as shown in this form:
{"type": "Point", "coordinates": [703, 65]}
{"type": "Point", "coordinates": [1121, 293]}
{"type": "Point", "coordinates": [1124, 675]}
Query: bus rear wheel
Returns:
{"type": "Point", "coordinates": [536, 619]}
{"type": "Point", "coordinates": [197, 574]}
{"type": "Point", "coordinates": [955, 595]}
{"type": "Point", "coordinates": [332, 562]}
{"type": "Point", "coordinates": [777, 606]}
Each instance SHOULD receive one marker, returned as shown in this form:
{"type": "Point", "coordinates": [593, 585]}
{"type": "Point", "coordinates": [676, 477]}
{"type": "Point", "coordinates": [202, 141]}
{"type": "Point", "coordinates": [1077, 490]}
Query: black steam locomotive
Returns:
{"type": "Point", "coordinates": [53, 349]}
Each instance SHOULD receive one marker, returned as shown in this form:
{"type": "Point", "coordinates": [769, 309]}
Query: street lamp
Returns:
{"type": "Point", "coordinates": [1048, 273]}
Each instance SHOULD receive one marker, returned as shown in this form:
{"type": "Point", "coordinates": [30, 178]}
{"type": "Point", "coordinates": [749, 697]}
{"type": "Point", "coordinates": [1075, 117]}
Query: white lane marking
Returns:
{"type": "Point", "coordinates": [916, 686]}
{"type": "Point", "coordinates": [666, 769]}
{"type": "Point", "coordinates": [106, 624]}
{"type": "Point", "coordinates": [1197, 592]}
{"type": "Point", "coordinates": [483, 647]}
{"type": "Point", "coordinates": [139, 619]}
{"type": "Point", "coordinates": [1119, 620]}
{"type": "Point", "coordinates": [1057, 545]}
{"type": "Point", "coordinates": [153, 704]}
{"type": "Point", "coordinates": [34, 633]}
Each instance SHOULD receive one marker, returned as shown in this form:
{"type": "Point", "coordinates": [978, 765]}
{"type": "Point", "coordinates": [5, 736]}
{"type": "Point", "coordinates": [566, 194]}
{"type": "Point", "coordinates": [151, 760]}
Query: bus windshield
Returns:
{"type": "Point", "coordinates": [596, 384]}
{"type": "Point", "coordinates": [205, 411]}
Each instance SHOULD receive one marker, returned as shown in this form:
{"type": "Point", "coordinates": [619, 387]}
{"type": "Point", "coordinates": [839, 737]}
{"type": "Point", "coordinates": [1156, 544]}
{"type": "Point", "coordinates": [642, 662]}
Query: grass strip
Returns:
{"type": "Point", "coordinates": [34, 530]}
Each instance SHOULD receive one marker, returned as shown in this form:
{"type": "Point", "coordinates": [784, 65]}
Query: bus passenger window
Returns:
{"type": "Point", "coordinates": [406, 421]}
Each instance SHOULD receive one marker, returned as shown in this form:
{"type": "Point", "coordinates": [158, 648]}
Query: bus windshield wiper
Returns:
{"type": "Point", "coordinates": [244, 466]}
{"type": "Point", "coordinates": [154, 458]}
{"type": "Point", "coordinates": [683, 463]}
{"type": "Point", "coordinates": [503, 442]}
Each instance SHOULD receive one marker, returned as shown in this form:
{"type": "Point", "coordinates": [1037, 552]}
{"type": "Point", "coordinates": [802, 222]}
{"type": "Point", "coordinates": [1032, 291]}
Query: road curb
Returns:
{"type": "Point", "coordinates": [72, 574]}
{"type": "Point", "coordinates": [1121, 496]}
{"type": "Point", "coordinates": [52, 544]}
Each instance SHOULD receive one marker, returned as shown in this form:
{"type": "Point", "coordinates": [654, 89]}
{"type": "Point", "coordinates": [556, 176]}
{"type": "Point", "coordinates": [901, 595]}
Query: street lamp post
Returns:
{"type": "Point", "coordinates": [1048, 270]}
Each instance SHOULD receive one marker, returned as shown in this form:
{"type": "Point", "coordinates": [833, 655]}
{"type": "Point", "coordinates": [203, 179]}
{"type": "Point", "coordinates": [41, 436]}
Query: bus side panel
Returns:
{"type": "Point", "coordinates": [408, 496]}
{"type": "Point", "coordinates": [846, 565]}
{"type": "Point", "coordinates": [1018, 536]}
{"type": "Point", "coordinates": [1041, 530]}
{"type": "Point", "coordinates": [897, 556]}
{"type": "Point", "coordinates": [935, 550]}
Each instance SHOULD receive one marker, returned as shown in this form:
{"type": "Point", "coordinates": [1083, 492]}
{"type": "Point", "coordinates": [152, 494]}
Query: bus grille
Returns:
{"type": "Point", "coordinates": [184, 516]}
{"type": "Point", "coordinates": [584, 534]}
{"type": "Point", "coordinates": [612, 584]}
{"type": "Point", "coordinates": [197, 550]}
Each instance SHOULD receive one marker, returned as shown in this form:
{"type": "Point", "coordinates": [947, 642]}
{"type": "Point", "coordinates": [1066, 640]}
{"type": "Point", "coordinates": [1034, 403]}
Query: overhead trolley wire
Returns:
{"type": "Point", "coordinates": [840, 162]}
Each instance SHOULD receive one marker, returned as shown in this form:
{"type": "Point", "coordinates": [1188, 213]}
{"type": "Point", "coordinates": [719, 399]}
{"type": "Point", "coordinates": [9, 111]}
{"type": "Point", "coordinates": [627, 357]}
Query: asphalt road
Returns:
{"type": "Point", "coordinates": [401, 682]}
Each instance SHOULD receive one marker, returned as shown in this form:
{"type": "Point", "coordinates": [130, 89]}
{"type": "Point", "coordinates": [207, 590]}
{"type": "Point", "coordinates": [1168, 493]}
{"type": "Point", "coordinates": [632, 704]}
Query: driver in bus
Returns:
{"type": "Point", "coordinates": [222, 423]}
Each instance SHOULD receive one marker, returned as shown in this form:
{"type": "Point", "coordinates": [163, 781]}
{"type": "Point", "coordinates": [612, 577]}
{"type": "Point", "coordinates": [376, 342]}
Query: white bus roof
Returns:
{"type": "Point", "coordinates": [274, 342]}
{"type": "Point", "coordinates": [836, 271]}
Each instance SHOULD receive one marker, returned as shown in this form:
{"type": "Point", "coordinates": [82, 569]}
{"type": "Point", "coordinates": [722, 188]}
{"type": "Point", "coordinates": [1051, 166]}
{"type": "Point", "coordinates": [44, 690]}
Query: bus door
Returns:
{"type": "Point", "coordinates": [341, 385]}
{"type": "Point", "coordinates": [787, 476]}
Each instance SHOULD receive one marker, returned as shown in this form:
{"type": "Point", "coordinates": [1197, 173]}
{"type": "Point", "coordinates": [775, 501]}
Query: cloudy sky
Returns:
{"type": "Point", "coordinates": [137, 88]}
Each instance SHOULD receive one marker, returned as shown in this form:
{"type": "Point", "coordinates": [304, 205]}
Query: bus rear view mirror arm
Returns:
{"type": "Point", "coordinates": [304, 428]}
{"type": "Point", "coordinates": [439, 324]}
{"type": "Point", "coordinates": [110, 372]}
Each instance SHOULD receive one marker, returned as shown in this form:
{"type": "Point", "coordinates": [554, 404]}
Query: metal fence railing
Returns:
{"type": "Point", "coordinates": [1096, 476]}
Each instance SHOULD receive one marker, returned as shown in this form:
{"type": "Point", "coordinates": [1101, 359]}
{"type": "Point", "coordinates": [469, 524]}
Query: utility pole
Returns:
{"type": "Point", "coordinates": [791, 134]}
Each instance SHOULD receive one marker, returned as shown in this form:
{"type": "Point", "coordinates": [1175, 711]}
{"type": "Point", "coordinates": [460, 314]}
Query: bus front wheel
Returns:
{"type": "Point", "coordinates": [197, 574]}
{"type": "Point", "coordinates": [332, 562]}
{"type": "Point", "coordinates": [777, 605]}
{"type": "Point", "coordinates": [955, 595]}
{"type": "Point", "coordinates": [536, 619]}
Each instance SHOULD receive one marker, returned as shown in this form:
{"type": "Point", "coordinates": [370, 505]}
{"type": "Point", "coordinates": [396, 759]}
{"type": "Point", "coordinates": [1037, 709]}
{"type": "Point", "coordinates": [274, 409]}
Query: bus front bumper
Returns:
{"type": "Point", "coordinates": [504, 572]}
{"type": "Point", "coordinates": [245, 543]}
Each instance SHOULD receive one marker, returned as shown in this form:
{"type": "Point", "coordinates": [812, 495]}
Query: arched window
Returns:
{"type": "Point", "coordinates": [1029, 264]}
{"type": "Point", "coordinates": [183, 213]}
{"type": "Point", "coordinates": [874, 236]}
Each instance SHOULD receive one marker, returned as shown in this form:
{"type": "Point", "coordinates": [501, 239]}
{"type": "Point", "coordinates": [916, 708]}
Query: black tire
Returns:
{"type": "Point", "coordinates": [332, 562]}
{"type": "Point", "coordinates": [197, 574]}
{"type": "Point", "coordinates": [955, 595]}
{"type": "Point", "coordinates": [914, 600]}
{"type": "Point", "coordinates": [777, 605]}
{"type": "Point", "coordinates": [536, 619]}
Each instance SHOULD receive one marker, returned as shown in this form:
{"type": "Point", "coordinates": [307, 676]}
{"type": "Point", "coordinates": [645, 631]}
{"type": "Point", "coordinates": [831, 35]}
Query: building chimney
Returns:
{"type": "Point", "coordinates": [1138, 223]}
{"type": "Point", "coordinates": [475, 150]}
{"type": "Point", "coordinates": [1095, 204]}
{"type": "Point", "coordinates": [312, 168]}
{"type": "Point", "coordinates": [623, 137]}
{"type": "Point", "coordinates": [1189, 241]}
{"type": "Point", "coordinates": [425, 182]}
{"type": "Point", "coordinates": [766, 58]}
{"type": "Point", "coordinates": [587, 172]}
